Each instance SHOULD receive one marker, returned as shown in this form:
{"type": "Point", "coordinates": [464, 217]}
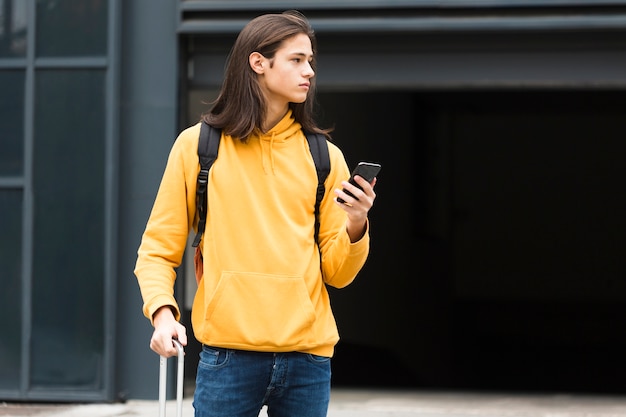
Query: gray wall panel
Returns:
{"type": "Point", "coordinates": [148, 128]}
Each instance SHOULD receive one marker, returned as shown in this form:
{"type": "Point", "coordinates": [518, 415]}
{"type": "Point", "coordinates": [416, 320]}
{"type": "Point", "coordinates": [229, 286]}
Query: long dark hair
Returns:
{"type": "Point", "coordinates": [240, 107]}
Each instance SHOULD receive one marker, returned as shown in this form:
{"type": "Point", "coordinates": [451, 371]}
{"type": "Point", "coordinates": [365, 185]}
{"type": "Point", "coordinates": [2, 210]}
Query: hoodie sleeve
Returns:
{"type": "Point", "coordinates": [165, 237]}
{"type": "Point", "coordinates": [341, 259]}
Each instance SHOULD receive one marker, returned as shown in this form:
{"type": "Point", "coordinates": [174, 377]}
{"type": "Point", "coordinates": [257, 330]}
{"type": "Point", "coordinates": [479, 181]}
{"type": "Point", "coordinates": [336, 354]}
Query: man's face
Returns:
{"type": "Point", "coordinates": [286, 77]}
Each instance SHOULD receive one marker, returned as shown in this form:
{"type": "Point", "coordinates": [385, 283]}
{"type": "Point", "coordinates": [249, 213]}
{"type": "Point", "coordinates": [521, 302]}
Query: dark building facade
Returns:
{"type": "Point", "coordinates": [498, 237]}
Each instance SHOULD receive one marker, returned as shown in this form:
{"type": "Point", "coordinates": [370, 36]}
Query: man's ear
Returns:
{"type": "Point", "coordinates": [257, 62]}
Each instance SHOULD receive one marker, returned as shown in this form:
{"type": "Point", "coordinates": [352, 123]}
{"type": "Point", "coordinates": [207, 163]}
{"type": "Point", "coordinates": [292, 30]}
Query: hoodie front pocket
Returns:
{"type": "Point", "coordinates": [260, 310]}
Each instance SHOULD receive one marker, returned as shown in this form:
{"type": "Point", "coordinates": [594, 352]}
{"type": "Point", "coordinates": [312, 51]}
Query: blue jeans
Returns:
{"type": "Point", "coordinates": [236, 383]}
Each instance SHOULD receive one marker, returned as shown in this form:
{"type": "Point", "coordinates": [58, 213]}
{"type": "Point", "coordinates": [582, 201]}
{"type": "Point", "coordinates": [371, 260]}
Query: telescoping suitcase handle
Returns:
{"type": "Point", "coordinates": [179, 381]}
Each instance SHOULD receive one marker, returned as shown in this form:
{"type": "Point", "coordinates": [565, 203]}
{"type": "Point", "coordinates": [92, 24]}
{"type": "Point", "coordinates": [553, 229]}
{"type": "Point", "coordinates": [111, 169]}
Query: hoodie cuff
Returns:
{"type": "Point", "coordinates": [150, 308]}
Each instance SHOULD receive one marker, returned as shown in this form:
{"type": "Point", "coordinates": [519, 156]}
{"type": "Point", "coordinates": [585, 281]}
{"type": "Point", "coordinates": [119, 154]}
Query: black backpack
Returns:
{"type": "Point", "coordinates": [208, 145]}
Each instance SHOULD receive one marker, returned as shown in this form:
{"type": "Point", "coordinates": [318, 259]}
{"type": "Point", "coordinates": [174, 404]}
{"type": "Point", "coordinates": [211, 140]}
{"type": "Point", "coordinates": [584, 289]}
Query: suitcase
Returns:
{"type": "Point", "coordinates": [179, 381]}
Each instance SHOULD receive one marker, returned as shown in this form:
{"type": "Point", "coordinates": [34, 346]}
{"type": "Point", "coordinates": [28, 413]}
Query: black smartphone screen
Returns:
{"type": "Point", "coordinates": [366, 170]}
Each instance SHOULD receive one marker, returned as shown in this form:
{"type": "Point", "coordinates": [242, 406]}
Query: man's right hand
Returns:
{"type": "Point", "coordinates": [166, 328]}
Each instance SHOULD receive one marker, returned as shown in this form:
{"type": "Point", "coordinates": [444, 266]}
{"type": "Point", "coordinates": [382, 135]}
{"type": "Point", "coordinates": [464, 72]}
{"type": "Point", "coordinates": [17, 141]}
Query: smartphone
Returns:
{"type": "Point", "coordinates": [366, 170]}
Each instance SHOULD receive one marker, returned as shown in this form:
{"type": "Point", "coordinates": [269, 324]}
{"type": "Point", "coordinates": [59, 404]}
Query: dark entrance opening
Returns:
{"type": "Point", "coordinates": [498, 240]}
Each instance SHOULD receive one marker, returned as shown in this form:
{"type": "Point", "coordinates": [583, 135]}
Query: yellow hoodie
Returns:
{"type": "Point", "coordinates": [263, 288]}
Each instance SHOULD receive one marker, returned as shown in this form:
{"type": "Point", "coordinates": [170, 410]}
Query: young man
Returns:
{"type": "Point", "coordinates": [261, 311]}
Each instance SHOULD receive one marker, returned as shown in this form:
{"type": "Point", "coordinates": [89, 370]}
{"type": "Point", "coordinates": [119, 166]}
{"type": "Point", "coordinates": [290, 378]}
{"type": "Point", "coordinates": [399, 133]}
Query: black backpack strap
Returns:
{"type": "Point", "coordinates": [319, 151]}
{"type": "Point", "coordinates": [208, 144]}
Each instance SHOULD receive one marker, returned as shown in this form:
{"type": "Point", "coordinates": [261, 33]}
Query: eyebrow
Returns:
{"type": "Point", "coordinates": [302, 54]}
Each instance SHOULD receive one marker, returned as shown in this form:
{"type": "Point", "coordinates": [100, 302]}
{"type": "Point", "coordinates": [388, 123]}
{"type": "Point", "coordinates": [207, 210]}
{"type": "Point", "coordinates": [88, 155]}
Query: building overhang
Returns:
{"type": "Point", "coordinates": [389, 16]}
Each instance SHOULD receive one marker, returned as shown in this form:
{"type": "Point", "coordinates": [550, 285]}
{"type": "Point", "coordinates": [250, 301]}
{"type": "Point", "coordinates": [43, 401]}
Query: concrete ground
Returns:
{"type": "Point", "coordinates": [375, 403]}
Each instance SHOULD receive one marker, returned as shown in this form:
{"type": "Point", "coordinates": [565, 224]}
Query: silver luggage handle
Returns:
{"type": "Point", "coordinates": [179, 381]}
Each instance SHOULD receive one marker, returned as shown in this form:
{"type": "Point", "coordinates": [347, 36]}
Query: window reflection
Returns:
{"type": "Point", "coordinates": [71, 27]}
{"type": "Point", "coordinates": [11, 293]}
{"type": "Point", "coordinates": [68, 188]}
{"type": "Point", "coordinates": [12, 28]}
{"type": "Point", "coordinates": [11, 122]}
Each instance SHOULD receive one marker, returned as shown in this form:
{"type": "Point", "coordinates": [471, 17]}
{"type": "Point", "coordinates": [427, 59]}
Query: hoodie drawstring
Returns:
{"type": "Point", "coordinates": [271, 152]}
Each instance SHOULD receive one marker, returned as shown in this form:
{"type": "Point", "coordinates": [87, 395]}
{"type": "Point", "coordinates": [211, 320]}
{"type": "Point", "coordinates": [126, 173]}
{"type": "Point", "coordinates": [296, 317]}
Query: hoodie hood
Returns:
{"type": "Point", "coordinates": [282, 132]}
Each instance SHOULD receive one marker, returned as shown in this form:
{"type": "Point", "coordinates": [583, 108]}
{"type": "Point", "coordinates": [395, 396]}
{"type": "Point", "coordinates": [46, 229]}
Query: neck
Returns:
{"type": "Point", "coordinates": [274, 115]}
